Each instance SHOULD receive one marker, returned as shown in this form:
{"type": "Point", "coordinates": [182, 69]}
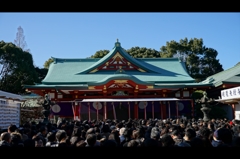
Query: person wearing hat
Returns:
{"type": "Point", "coordinates": [222, 137]}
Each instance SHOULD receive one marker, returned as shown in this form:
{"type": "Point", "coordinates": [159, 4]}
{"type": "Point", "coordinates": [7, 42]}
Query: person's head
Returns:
{"type": "Point", "coordinates": [204, 133]}
{"type": "Point", "coordinates": [51, 137]}
{"type": "Point", "coordinates": [136, 134]}
{"type": "Point", "coordinates": [127, 133]}
{"type": "Point", "coordinates": [16, 139]}
{"type": "Point", "coordinates": [77, 132]}
{"type": "Point", "coordinates": [12, 128]}
{"type": "Point", "coordinates": [164, 131]}
{"type": "Point", "coordinates": [189, 134]}
{"type": "Point", "coordinates": [175, 134]}
{"type": "Point", "coordinates": [6, 137]}
{"type": "Point", "coordinates": [43, 130]}
{"type": "Point", "coordinates": [114, 136]}
{"type": "Point", "coordinates": [167, 141]}
{"type": "Point", "coordinates": [61, 135]}
{"type": "Point", "coordinates": [106, 129]}
{"type": "Point", "coordinates": [155, 133]}
{"type": "Point", "coordinates": [121, 131]}
{"type": "Point", "coordinates": [132, 143]}
{"type": "Point", "coordinates": [224, 135]}
{"type": "Point", "coordinates": [38, 141]}
{"type": "Point", "coordinates": [91, 139]}
{"type": "Point", "coordinates": [90, 131]}
{"type": "Point", "coordinates": [211, 126]}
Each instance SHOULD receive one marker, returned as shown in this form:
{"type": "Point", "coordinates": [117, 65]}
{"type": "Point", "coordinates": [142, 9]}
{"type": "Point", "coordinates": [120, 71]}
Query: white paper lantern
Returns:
{"type": "Point", "coordinates": [142, 105]}
{"type": "Point", "coordinates": [56, 108]}
{"type": "Point", "coordinates": [97, 105]}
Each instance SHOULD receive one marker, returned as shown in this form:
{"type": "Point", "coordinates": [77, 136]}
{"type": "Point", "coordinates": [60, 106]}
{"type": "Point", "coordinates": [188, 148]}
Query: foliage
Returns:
{"type": "Point", "coordinates": [16, 68]}
{"type": "Point", "coordinates": [200, 61]}
{"type": "Point", "coordinates": [143, 52]}
{"type": "Point", "coordinates": [41, 73]}
{"type": "Point", "coordinates": [136, 52]}
{"type": "Point", "coordinates": [100, 54]}
{"type": "Point", "coordinates": [47, 63]}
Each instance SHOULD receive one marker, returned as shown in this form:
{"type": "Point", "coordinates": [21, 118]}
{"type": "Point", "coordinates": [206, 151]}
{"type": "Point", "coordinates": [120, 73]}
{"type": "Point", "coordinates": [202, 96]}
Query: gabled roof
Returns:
{"type": "Point", "coordinates": [7, 95]}
{"type": "Point", "coordinates": [231, 75]}
{"type": "Point", "coordinates": [117, 49]}
{"type": "Point", "coordinates": [78, 73]}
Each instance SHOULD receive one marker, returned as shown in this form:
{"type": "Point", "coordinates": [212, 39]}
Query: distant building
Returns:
{"type": "Point", "coordinates": [9, 109]}
{"type": "Point", "coordinates": [226, 90]}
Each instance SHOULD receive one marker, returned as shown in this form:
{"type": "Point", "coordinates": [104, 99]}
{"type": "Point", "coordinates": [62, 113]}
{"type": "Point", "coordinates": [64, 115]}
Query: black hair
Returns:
{"type": "Point", "coordinates": [91, 139]}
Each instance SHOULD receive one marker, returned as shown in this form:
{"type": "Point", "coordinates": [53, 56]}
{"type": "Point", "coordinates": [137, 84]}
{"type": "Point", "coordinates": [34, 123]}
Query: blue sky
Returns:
{"type": "Point", "coordinates": [80, 35]}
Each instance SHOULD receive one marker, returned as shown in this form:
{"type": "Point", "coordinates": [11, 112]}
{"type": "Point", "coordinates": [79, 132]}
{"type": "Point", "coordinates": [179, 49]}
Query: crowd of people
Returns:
{"type": "Point", "coordinates": [125, 133]}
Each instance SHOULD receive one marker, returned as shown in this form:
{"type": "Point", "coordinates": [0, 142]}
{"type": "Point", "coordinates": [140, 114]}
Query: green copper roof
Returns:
{"type": "Point", "coordinates": [231, 75]}
{"type": "Point", "coordinates": [72, 73]}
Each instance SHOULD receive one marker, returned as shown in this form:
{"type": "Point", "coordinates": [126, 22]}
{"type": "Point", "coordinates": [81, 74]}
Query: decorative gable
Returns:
{"type": "Point", "coordinates": [117, 62]}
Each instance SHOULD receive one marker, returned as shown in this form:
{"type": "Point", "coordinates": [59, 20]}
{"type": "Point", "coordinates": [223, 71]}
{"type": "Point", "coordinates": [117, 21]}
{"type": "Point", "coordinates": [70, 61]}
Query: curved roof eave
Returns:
{"type": "Point", "coordinates": [119, 77]}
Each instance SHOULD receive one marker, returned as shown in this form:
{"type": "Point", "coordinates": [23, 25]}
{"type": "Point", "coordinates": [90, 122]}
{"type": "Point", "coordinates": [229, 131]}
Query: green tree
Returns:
{"type": "Point", "coordinates": [100, 54]}
{"type": "Point", "coordinates": [20, 39]}
{"type": "Point", "coordinates": [41, 73]}
{"type": "Point", "coordinates": [47, 63]}
{"type": "Point", "coordinates": [200, 60]}
{"type": "Point", "coordinates": [136, 52]}
{"type": "Point", "coordinates": [16, 68]}
{"type": "Point", "coordinates": [143, 52]}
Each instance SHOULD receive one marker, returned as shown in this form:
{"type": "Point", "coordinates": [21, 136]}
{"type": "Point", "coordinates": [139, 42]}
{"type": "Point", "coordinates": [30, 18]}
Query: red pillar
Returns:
{"type": "Point", "coordinates": [105, 110]}
{"type": "Point", "coordinates": [163, 111]}
{"type": "Point", "coordinates": [136, 110]}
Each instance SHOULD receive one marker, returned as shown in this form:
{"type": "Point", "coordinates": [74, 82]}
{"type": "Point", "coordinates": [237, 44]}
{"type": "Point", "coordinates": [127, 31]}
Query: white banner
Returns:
{"type": "Point", "coordinates": [230, 93]}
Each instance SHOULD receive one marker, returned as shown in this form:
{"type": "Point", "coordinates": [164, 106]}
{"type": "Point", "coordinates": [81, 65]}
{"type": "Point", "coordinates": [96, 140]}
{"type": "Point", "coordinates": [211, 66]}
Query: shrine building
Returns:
{"type": "Point", "coordinates": [119, 86]}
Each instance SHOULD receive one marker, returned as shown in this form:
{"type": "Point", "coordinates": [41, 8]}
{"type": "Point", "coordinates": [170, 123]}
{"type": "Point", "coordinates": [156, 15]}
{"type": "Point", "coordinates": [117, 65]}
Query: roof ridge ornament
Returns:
{"type": "Point", "coordinates": [117, 44]}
